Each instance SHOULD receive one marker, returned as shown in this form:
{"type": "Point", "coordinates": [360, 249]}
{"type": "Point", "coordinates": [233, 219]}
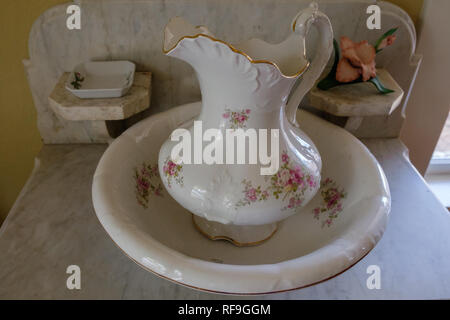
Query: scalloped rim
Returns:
{"type": "Point", "coordinates": [235, 50]}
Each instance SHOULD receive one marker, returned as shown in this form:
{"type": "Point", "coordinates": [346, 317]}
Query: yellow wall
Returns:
{"type": "Point", "coordinates": [413, 7]}
{"type": "Point", "coordinates": [19, 137]}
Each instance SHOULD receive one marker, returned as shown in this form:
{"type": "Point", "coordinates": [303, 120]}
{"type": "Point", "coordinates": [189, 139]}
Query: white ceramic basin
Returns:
{"type": "Point", "coordinates": [309, 247]}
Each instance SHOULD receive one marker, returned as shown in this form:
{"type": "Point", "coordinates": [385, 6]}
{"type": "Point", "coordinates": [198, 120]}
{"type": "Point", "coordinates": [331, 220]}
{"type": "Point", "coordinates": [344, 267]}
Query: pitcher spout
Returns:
{"type": "Point", "coordinates": [178, 29]}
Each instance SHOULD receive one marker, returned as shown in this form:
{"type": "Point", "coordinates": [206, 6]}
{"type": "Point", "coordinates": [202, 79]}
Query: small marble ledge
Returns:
{"type": "Point", "coordinates": [359, 99]}
{"type": "Point", "coordinates": [356, 101]}
{"type": "Point", "coordinates": [70, 107]}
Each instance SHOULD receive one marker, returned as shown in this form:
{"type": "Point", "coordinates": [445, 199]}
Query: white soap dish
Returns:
{"type": "Point", "coordinates": [101, 79]}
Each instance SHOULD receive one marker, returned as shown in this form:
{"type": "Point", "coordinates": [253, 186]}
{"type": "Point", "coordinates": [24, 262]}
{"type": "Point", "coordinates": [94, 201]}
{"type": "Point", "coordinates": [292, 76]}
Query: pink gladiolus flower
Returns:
{"type": "Point", "coordinates": [387, 42]}
{"type": "Point", "coordinates": [358, 59]}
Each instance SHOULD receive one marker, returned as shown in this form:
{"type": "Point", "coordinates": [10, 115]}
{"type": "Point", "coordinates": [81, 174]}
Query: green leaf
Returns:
{"type": "Point", "coordinates": [384, 36]}
{"type": "Point", "coordinates": [328, 83]}
{"type": "Point", "coordinates": [75, 84]}
{"type": "Point", "coordinates": [377, 83]}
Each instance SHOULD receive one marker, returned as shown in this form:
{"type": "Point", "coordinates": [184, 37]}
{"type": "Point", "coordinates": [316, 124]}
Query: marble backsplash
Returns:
{"type": "Point", "coordinates": [133, 30]}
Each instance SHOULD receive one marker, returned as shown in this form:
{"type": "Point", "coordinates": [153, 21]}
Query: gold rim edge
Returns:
{"type": "Point", "coordinates": [232, 48]}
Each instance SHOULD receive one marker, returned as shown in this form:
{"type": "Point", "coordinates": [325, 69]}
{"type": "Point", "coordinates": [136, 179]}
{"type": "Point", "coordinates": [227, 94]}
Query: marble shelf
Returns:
{"type": "Point", "coordinates": [358, 100]}
{"type": "Point", "coordinates": [70, 107]}
{"type": "Point", "coordinates": [53, 225]}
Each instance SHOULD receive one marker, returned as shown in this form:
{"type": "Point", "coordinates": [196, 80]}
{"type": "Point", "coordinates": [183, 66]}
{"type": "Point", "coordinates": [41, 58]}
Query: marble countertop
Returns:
{"type": "Point", "coordinates": [53, 225]}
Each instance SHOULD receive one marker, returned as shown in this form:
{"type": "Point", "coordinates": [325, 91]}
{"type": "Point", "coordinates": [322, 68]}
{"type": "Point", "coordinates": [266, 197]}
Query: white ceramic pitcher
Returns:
{"type": "Point", "coordinates": [244, 86]}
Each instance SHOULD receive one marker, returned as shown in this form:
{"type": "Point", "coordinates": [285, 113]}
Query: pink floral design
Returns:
{"type": "Point", "coordinates": [251, 194]}
{"type": "Point", "coordinates": [173, 171]}
{"type": "Point", "coordinates": [147, 183]}
{"type": "Point", "coordinates": [332, 198]}
{"type": "Point", "coordinates": [290, 183]}
{"type": "Point", "coordinates": [236, 119]}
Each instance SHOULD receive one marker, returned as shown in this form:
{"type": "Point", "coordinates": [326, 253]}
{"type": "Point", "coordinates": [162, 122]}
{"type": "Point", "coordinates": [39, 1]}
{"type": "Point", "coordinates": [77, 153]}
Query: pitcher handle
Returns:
{"type": "Point", "coordinates": [301, 25]}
